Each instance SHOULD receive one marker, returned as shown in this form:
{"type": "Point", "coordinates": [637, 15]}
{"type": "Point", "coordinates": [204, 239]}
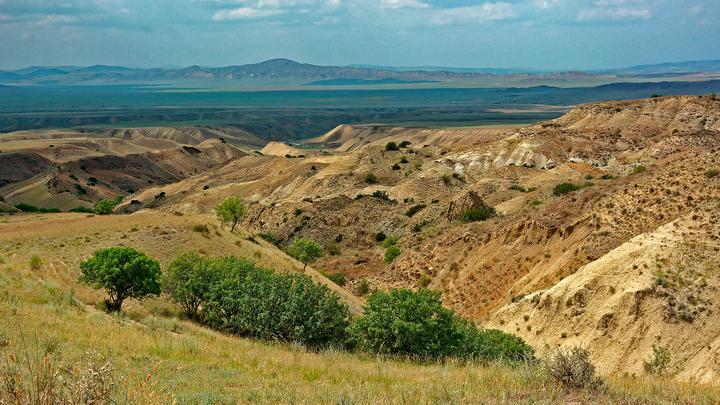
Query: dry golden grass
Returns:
{"type": "Point", "coordinates": [154, 349]}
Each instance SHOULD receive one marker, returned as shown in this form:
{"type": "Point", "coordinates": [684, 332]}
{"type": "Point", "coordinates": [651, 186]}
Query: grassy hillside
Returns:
{"type": "Point", "coordinates": [43, 310]}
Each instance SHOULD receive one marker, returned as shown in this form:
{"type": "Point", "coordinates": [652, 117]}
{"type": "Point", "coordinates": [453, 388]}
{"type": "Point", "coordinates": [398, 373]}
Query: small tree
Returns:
{"type": "Point", "coordinates": [123, 272]}
{"type": "Point", "coordinates": [391, 146]}
{"type": "Point", "coordinates": [305, 250]}
{"type": "Point", "coordinates": [105, 206]}
{"type": "Point", "coordinates": [231, 211]}
{"type": "Point", "coordinates": [187, 280]}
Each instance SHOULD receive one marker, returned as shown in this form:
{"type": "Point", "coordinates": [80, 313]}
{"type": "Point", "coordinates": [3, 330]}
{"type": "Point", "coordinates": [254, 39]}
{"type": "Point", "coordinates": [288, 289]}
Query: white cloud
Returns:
{"type": "Point", "coordinates": [470, 14]}
{"type": "Point", "coordinates": [245, 13]}
{"type": "Point", "coordinates": [396, 4]}
{"type": "Point", "coordinates": [614, 13]}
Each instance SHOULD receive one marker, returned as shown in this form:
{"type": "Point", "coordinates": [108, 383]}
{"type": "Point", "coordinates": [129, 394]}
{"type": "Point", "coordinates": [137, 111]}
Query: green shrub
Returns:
{"type": "Point", "coordinates": [231, 211]}
{"type": "Point", "coordinates": [390, 241]}
{"type": "Point", "coordinates": [187, 281]}
{"type": "Point", "coordinates": [424, 280]}
{"type": "Point", "coordinates": [370, 178]}
{"type": "Point", "coordinates": [31, 208]}
{"type": "Point", "coordinates": [519, 188]}
{"type": "Point", "coordinates": [659, 362]}
{"type": "Point", "coordinates": [477, 214]}
{"type": "Point", "coordinates": [404, 144]}
{"type": "Point", "coordinates": [712, 173]}
{"type": "Point", "coordinates": [381, 194]}
{"type": "Point", "coordinates": [535, 202]}
{"type": "Point", "coordinates": [85, 210]}
{"type": "Point", "coordinates": [391, 253]}
{"type": "Point", "coordinates": [403, 159]}
{"type": "Point", "coordinates": [396, 166]}
{"type": "Point", "coordinates": [639, 169]}
{"type": "Point", "coordinates": [391, 146]}
{"type": "Point", "coordinates": [565, 188]}
{"type": "Point", "coordinates": [380, 236]}
{"type": "Point", "coordinates": [363, 288]}
{"type": "Point", "coordinates": [305, 250]}
{"type": "Point", "coordinates": [254, 302]}
{"type": "Point", "coordinates": [2, 199]}
{"type": "Point", "coordinates": [416, 325]}
{"type": "Point", "coordinates": [338, 279]}
{"type": "Point", "coordinates": [35, 262]}
{"type": "Point", "coordinates": [415, 209]}
{"type": "Point", "coordinates": [123, 272]}
{"type": "Point", "coordinates": [107, 205]}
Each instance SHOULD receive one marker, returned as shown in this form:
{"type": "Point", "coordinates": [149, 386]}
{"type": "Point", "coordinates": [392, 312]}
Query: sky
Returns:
{"type": "Point", "coordinates": [529, 34]}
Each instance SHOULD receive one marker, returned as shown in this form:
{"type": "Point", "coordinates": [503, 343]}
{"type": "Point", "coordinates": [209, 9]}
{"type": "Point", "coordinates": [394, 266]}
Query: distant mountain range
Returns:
{"type": "Point", "coordinates": [288, 70]}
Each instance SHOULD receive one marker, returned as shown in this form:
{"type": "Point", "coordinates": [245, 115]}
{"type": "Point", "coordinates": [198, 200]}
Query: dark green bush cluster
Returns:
{"type": "Point", "coordinates": [31, 208]}
{"type": "Point", "coordinates": [107, 205]}
{"type": "Point", "coordinates": [83, 210]}
{"type": "Point", "coordinates": [234, 296]}
{"type": "Point", "coordinates": [565, 188]}
{"type": "Point", "coordinates": [391, 146]}
{"type": "Point", "coordinates": [415, 209]}
{"type": "Point", "coordinates": [416, 325]}
{"type": "Point", "coordinates": [478, 214]}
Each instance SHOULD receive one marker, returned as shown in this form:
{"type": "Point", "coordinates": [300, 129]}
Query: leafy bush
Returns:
{"type": "Point", "coordinates": [390, 241]}
{"type": "Point", "coordinates": [254, 302]}
{"type": "Point", "coordinates": [85, 210]}
{"type": "Point", "coordinates": [391, 253]}
{"type": "Point", "coordinates": [305, 250]}
{"type": "Point", "coordinates": [381, 194]}
{"type": "Point", "coordinates": [363, 288]}
{"type": "Point", "coordinates": [659, 362]}
{"type": "Point", "coordinates": [231, 211]}
{"type": "Point", "coordinates": [35, 262]}
{"type": "Point", "coordinates": [712, 173]}
{"type": "Point", "coordinates": [495, 345]}
{"type": "Point", "coordinates": [535, 202]}
{"type": "Point", "coordinates": [370, 178]}
{"type": "Point", "coordinates": [391, 146]}
{"type": "Point", "coordinates": [517, 187]}
{"type": "Point", "coordinates": [338, 279]}
{"type": "Point", "coordinates": [565, 188]}
{"type": "Point", "coordinates": [639, 169]}
{"type": "Point", "coordinates": [187, 280]}
{"type": "Point", "coordinates": [478, 214]}
{"type": "Point", "coordinates": [396, 166]}
{"type": "Point", "coordinates": [123, 272]}
{"type": "Point", "coordinates": [31, 208]}
{"type": "Point", "coordinates": [416, 325]}
{"type": "Point", "coordinates": [415, 209]}
{"type": "Point", "coordinates": [106, 206]}
{"type": "Point", "coordinates": [380, 236]}
{"type": "Point", "coordinates": [404, 144]}
{"type": "Point", "coordinates": [405, 323]}
{"type": "Point", "coordinates": [403, 159]}
{"type": "Point", "coordinates": [572, 368]}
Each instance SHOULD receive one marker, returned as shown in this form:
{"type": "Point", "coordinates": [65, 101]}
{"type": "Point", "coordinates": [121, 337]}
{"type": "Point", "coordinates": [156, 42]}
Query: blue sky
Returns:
{"type": "Point", "coordinates": [541, 34]}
